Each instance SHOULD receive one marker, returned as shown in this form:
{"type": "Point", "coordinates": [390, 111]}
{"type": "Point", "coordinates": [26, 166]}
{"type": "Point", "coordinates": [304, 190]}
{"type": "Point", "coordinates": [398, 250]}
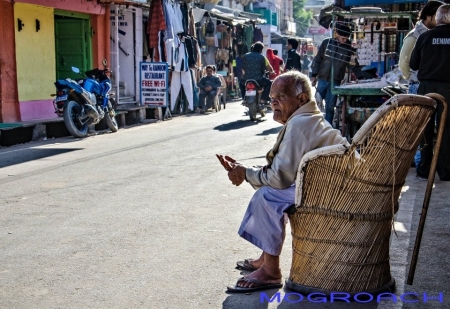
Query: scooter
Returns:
{"type": "Point", "coordinates": [253, 99]}
{"type": "Point", "coordinates": [85, 101]}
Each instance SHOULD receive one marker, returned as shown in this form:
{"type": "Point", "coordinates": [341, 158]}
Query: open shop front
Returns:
{"type": "Point", "coordinates": [377, 39]}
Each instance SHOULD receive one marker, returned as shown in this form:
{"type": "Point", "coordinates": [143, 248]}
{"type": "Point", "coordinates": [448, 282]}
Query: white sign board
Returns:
{"type": "Point", "coordinates": [154, 78]}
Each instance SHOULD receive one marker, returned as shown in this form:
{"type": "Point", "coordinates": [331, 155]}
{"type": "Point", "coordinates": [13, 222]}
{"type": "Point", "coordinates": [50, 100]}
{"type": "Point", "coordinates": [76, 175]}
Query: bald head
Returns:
{"type": "Point", "coordinates": [296, 83]}
{"type": "Point", "coordinates": [289, 92]}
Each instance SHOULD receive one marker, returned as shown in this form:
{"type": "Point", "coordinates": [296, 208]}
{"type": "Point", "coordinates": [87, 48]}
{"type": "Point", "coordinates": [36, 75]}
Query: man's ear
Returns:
{"type": "Point", "coordinates": [303, 98]}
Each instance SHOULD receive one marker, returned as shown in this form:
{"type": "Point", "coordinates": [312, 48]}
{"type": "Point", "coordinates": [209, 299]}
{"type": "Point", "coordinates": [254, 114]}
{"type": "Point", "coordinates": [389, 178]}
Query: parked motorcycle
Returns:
{"type": "Point", "coordinates": [85, 101]}
{"type": "Point", "coordinates": [253, 99]}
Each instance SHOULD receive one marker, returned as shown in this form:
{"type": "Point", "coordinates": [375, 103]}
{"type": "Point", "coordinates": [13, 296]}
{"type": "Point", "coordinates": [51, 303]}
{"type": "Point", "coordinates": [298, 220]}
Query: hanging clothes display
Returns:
{"type": "Point", "coordinates": [185, 19]}
{"type": "Point", "coordinates": [181, 76]}
{"type": "Point", "coordinates": [257, 35]}
{"type": "Point", "coordinates": [191, 29]}
{"type": "Point", "coordinates": [156, 23]}
{"type": "Point", "coordinates": [248, 38]}
{"type": "Point", "coordinates": [168, 33]}
{"type": "Point", "coordinates": [191, 48]}
{"type": "Point", "coordinates": [178, 16]}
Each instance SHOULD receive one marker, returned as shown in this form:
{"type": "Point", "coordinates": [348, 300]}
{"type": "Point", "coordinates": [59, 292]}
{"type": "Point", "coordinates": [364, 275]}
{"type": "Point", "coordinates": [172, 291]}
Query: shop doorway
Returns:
{"type": "Point", "coordinates": [72, 44]}
{"type": "Point", "coordinates": [126, 51]}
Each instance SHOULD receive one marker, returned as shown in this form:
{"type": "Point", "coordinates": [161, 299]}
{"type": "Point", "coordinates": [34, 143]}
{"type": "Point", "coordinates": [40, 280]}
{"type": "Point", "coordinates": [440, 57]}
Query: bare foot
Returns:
{"type": "Point", "coordinates": [256, 263]}
{"type": "Point", "coordinates": [261, 276]}
{"type": "Point", "coordinates": [251, 264]}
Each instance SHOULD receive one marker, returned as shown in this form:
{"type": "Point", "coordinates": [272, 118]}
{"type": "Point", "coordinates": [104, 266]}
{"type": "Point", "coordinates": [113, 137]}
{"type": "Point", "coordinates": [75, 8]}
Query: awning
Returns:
{"type": "Point", "coordinates": [142, 3]}
{"type": "Point", "coordinates": [278, 36]}
{"type": "Point", "coordinates": [230, 18]}
{"type": "Point", "coordinates": [233, 15]}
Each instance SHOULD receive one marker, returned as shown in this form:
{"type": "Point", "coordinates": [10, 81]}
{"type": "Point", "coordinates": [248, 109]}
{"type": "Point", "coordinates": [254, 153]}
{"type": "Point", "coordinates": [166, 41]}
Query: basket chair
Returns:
{"type": "Point", "coordinates": [346, 198]}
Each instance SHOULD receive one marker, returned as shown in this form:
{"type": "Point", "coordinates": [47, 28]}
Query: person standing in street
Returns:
{"type": "Point", "coordinates": [337, 52]}
{"type": "Point", "coordinates": [275, 52]}
{"type": "Point", "coordinates": [305, 65]}
{"type": "Point", "coordinates": [275, 61]}
{"type": "Point", "coordinates": [293, 61]}
{"type": "Point", "coordinates": [430, 58]}
{"type": "Point", "coordinates": [426, 21]}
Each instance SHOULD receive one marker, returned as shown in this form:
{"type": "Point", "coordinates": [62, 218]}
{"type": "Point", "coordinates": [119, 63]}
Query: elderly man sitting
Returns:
{"type": "Point", "coordinates": [263, 225]}
{"type": "Point", "coordinates": [208, 88]}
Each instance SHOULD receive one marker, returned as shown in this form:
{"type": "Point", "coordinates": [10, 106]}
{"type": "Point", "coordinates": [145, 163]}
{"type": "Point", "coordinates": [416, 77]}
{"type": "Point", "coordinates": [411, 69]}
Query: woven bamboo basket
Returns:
{"type": "Point", "coordinates": [346, 199]}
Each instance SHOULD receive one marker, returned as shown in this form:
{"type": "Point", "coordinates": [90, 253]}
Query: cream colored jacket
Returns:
{"type": "Point", "coordinates": [305, 130]}
{"type": "Point", "coordinates": [405, 53]}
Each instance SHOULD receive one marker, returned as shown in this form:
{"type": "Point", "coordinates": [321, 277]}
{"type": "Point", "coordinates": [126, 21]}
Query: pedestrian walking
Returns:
{"type": "Point", "coordinates": [337, 52]}
{"type": "Point", "coordinates": [430, 58]}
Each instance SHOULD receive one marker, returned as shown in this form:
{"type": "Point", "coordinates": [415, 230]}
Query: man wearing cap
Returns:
{"type": "Point", "coordinates": [336, 52]}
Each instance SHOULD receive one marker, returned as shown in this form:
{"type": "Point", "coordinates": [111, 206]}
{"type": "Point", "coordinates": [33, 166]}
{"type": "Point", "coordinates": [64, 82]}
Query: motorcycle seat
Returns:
{"type": "Point", "coordinates": [253, 81]}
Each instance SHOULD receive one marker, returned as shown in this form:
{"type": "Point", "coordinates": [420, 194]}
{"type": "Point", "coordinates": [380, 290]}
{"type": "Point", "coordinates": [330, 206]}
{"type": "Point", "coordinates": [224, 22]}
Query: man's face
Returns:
{"type": "Point", "coordinates": [209, 72]}
{"type": "Point", "coordinates": [289, 46]}
{"type": "Point", "coordinates": [341, 39]}
{"type": "Point", "coordinates": [430, 22]}
{"type": "Point", "coordinates": [283, 101]}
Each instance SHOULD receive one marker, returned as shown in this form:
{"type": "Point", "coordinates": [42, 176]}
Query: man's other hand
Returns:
{"type": "Point", "coordinates": [237, 174]}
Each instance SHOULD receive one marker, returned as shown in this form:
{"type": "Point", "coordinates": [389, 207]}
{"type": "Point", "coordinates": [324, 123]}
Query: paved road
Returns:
{"type": "Point", "coordinates": [146, 218]}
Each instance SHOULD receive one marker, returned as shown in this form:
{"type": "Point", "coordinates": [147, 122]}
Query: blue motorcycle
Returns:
{"type": "Point", "coordinates": [85, 101]}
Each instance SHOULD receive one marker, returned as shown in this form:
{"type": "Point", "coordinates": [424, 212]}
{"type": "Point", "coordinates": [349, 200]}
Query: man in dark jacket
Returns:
{"type": "Point", "coordinates": [208, 88]}
{"type": "Point", "coordinates": [335, 52]}
{"type": "Point", "coordinates": [430, 58]}
{"type": "Point", "coordinates": [293, 61]}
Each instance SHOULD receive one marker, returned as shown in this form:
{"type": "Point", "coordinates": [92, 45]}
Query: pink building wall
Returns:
{"type": "Point", "coordinates": [43, 109]}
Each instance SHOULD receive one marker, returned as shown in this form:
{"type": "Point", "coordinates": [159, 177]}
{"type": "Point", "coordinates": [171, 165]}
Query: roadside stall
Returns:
{"type": "Point", "coordinates": [377, 37]}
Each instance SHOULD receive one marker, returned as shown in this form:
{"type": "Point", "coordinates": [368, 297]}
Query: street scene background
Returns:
{"type": "Point", "coordinates": [147, 218]}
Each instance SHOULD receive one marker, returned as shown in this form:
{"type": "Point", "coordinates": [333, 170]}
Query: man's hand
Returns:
{"type": "Point", "coordinates": [236, 171]}
{"type": "Point", "coordinates": [208, 88]}
{"type": "Point", "coordinates": [237, 174]}
{"type": "Point", "coordinates": [313, 81]}
{"type": "Point", "coordinates": [225, 162]}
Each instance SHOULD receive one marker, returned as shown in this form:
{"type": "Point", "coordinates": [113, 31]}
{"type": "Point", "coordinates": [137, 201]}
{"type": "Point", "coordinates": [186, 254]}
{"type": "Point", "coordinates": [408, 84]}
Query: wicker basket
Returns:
{"type": "Point", "coordinates": [346, 200]}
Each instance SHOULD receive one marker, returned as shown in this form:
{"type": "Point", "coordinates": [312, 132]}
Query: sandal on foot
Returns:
{"type": "Point", "coordinates": [260, 285]}
{"type": "Point", "coordinates": [245, 265]}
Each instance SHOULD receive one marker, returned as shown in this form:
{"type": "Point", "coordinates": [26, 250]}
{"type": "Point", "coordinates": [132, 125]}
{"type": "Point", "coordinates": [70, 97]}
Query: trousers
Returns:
{"type": "Point", "coordinates": [263, 224]}
{"type": "Point", "coordinates": [324, 88]}
{"type": "Point", "coordinates": [209, 96]}
{"type": "Point", "coordinates": [178, 79]}
{"type": "Point", "coordinates": [427, 147]}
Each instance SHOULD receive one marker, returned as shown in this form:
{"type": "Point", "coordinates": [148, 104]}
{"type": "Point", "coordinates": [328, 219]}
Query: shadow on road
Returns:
{"type": "Point", "coordinates": [236, 125]}
{"type": "Point", "coordinates": [7, 159]}
{"type": "Point", "coordinates": [271, 131]}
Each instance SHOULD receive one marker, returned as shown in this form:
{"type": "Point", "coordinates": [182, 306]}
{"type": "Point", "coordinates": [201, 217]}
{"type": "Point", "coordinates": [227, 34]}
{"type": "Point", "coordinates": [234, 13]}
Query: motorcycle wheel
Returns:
{"type": "Point", "coordinates": [71, 114]}
{"type": "Point", "coordinates": [252, 110]}
{"type": "Point", "coordinates": [111, 122]}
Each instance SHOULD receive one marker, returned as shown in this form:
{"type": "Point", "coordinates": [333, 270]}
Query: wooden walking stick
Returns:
{"type": "Point", "coordinates": [412, 268]}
